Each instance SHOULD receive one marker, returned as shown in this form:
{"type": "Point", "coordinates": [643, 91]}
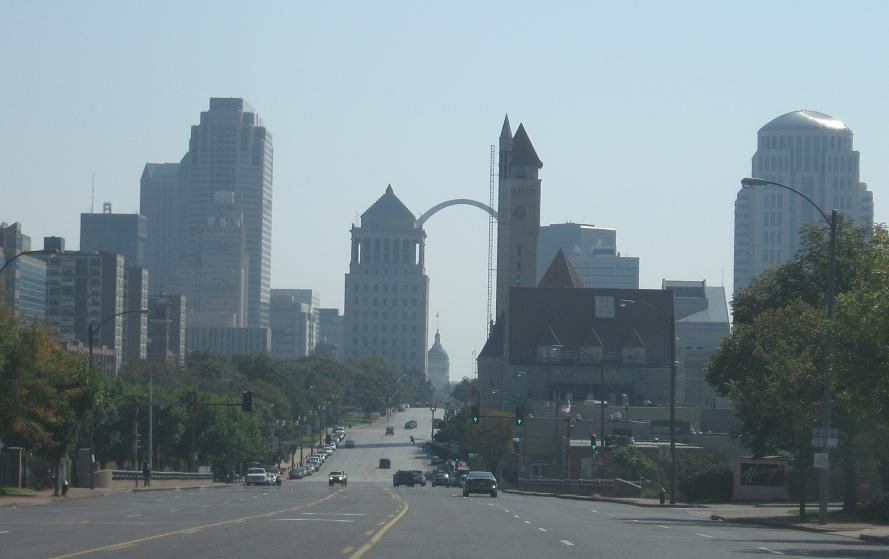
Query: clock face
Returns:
{"type": "Point", "coordinates": [520, 212]}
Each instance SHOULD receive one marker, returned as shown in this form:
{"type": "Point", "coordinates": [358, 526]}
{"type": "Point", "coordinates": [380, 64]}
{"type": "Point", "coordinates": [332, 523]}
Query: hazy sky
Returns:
{"type": "Point", "coordinates": [644, 114]}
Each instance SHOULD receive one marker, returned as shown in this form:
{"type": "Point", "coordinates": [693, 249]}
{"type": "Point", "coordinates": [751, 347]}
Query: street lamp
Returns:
{"type": "Point", "coordinates": [26, 253]}
{"type": "Point", "coordinates": [91, 333]}
{"type": "Point", "coordinates": [831, 221]}
{"type": "Point", "coordinates": [624, 303]}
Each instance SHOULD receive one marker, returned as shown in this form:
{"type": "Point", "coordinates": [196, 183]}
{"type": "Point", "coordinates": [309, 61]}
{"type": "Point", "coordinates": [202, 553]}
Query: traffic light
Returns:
{"type": "Point", "coordinates": [476, 413]}
{"type": "Point", "coordinates": [593, 443]}
{"type": "Point", "coordinates": [247, 400]}
{"type": "Point", "coordinates": [519, 415]}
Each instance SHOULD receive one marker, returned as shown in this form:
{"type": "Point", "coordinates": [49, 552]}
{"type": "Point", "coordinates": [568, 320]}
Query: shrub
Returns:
{"type": "Point", "coordinates": [877, 509]}
{"type": "Point", "coordinates": [706, 478]}
{"type": "Point", "coordinates": [632, 464]}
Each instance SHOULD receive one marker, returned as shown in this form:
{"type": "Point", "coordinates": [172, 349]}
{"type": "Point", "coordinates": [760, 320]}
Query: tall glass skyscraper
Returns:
{"type": "Point", "coordinates": [158, 202]}
{"type": "Point", "coordinates": [813, 153]}
{"type": "Point", "coordinates": [225, 235]}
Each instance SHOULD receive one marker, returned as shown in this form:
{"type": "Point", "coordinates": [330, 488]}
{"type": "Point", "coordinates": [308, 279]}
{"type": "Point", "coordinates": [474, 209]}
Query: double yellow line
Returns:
{"type": "Point", "coordinates": [190, 530]}
{"type": "Point", "coordinates": [382, 531]}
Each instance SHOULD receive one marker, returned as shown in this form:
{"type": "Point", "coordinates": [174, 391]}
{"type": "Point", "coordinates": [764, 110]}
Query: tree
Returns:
{"type": "Point", "coordinates": [491, 438]}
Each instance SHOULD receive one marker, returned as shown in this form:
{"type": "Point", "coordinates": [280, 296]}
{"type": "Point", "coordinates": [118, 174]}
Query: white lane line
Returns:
{"type": "Point", "coordinates": [4, 532]}
{"type": "Point", "coordinates": [515, 515]}
{"type": "Point", "coordinates": [634, 520]}
{"type": "Point", "coordinates": [566, 542]}
{"type": "Point", "coordinates": [174, 510]}
{"type": "Point", "coordinates": [594, 510]}
{"type": "Point", "coordinates": [704, 535]}
{"type": "Point", "coordinates": [610, 515]}
{"type": "Point", "coordinates": [542, 529]}
{"type": "Point", "coordinates": [336, 513]}
{"type": "Point", "coordinates": [132, 515]}
{"type": "Point", "coordinates": [662, 526]}
{"type": "Point", "coordinates": [526, 522]}
{"type": "Point", "coordinates": [505, 510]}
{"type": "Point", "coordinates": [772, 551]}
{"type": "Point", "coordinates": [312, 520]}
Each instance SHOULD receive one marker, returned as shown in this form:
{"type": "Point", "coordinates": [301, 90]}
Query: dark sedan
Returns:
{"type": "Point", "coordinates": [439, 478]}
{"type": "Point", "coordinates": [480, 482]}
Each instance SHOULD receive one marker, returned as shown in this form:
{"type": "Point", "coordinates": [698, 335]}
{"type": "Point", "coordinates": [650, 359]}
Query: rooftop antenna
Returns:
{"type": "Point", "coordinates": [93, 195]}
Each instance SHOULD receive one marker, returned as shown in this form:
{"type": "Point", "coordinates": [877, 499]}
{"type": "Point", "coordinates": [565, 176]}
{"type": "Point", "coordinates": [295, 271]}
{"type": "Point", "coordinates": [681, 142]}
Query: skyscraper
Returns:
{"type": "Point", "coordinates": [593, 253]}
{"type": "Point", "coordinates": [159, 203]}
{"type": "Point", "coordinates": [518, 209]}
{"type": "Point", "coordinates": [23, 283]}
{"type": "Point", "coordinates": [123, 234]}
{"type": "Point", "coordinates": [224, 260]}
{"type": "Point", "coordinates": [387, 289]}
{"type": "Point", "coordinates": [809, 151]}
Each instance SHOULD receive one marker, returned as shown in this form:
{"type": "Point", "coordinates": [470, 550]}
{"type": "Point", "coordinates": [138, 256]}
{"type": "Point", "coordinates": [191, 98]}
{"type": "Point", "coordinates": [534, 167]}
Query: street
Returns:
{"type": "Point", "coordinates": [370, 518]}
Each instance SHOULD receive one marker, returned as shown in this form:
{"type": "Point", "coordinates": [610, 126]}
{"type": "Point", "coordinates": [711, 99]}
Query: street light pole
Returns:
{"type": "Point", "coordinates": [26, 253]}
{"type": "Point", "coordinates": [827, 396]}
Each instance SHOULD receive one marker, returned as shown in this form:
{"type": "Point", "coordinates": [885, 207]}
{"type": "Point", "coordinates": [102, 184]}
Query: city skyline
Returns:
{"type": "Point", "coordinates": [662, 168]}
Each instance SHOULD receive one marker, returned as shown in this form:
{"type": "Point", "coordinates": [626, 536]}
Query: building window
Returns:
{"type": "Point", "coordinates": [604, 306]}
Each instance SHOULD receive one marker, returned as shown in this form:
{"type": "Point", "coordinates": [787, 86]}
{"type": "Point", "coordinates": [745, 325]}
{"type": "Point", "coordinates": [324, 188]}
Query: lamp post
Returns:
{"type": "Point", "coordinates": [671, 317]}
{"type": "Point", "coordinates": [26, 253]}
{"type": "Point", "coordinates": [831, 220]}
{"type": "Point", "coordinates": [91, 333]}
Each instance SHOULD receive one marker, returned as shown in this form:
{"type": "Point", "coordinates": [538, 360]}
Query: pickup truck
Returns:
{"type": "Point", "coordinates": [257, 476]}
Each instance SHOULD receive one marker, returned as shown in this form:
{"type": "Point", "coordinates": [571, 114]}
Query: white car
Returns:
{"type": "Point", "coordinates": [257, 476]}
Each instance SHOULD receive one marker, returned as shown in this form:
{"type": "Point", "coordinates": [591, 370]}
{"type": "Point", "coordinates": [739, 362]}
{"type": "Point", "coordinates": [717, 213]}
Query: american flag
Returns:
{"type": "Point", "coordinates": [566, 407]}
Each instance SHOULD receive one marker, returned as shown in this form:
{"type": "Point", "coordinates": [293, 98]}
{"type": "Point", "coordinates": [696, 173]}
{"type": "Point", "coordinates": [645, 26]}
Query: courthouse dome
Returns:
{"type": "Point", "coordinates": [805, 120]}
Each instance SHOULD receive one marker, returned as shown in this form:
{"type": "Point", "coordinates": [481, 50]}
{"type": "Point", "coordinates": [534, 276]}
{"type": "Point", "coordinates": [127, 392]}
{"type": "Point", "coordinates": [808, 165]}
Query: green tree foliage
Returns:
{"type": "Point", "coordinates": [491, 438]}
{"type": "Point", "coordinates": [706, 478]}
{"type": "Point", "coordinates": [631, 464]}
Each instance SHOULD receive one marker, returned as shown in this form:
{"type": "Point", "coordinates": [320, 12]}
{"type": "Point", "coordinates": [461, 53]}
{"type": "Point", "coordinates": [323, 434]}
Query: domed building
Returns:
{"type": "Point", "coordinates": [811, 152]}
{"type": "Point", "coordinates": [439, 366]}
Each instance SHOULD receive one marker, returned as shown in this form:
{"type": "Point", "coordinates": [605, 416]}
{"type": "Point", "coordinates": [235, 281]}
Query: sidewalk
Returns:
{"type": "Point", "coordinates": [45, 497]}
{"type": "Point", "coordinates": [783, 515]}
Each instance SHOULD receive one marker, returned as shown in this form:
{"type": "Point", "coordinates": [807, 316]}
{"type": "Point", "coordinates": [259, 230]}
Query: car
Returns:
{"type": "Point", "coordinates": [310, 468]}
{"type": "Point", "coordinates": [350, 443]}
{"type": "Point", "coordinates": [385, 463]}
{"type": "Point", "coordinates": [297, 473]}
{"type": "Point", "coordinates": [410, 424]}
{"type": "Point", "coordinates": [478, 481]}
{"type": "Point", "coordinates": [401, 407]}
{"type": "Point", "coordinates": [457, 477]}
{"type": "Point", "coordinates": [439, 478]}
{"type": "Point", "coordinates": [404, 477]}
{"type": "Point", "coordinates": [619, 440]}
{"type": "Point", "coordinates": [339, 429]}
{"type": "Point", "coordinates": [337, 477]}
{"type": "Point", "coordinates": [419, 478]}
{"type": "Point", "coordinates": [275, 477]}
{"type": "Point", "coordinates": [390, 430]}
{"type": "Point", "coordinates": [257, 476]}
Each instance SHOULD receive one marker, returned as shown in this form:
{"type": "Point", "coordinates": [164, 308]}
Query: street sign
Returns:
{"type": "Point", "coordinates": [273, 444]}
{"type": "Point", "coordinates": [818, 442]}
{"type": "Point", "coordinates": [820, 460]}
{"type": "Point", "coordinates": [818, 433]}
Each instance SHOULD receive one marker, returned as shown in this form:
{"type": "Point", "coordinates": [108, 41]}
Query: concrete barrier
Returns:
{"type": "Point", "coordinates": [102, 479]}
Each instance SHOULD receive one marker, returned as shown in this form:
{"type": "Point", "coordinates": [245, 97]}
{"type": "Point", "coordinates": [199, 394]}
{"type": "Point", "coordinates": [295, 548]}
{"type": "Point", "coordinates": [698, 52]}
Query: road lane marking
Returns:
{"type": "Point", "coordinates": [704, 535]}
{"type": "Point", "coordinates": [382, 531]}
{"type": "Point", "coordinates": [634, 520]}
{"type": "Point", "coordinates": [594, 510]}
{"type": "Point", "coordinates": [132, 516]}
{"type": "Point", "coordinates": [381, 522]}
{"type": "Point", "coordinates": [516, 516]}
{"type": "Point", "coordinates": [337, 513]}
{"type": "Point", "coordinates": [190, 530]}
{"type": "Point", "coordinates": [566, 542]}
{"type": "Point", "coordinates": [369, 532]}
{"type": "Point", "coordinates": [505, 510]}
{"type": "Point", "coordinates": [526, 522]}
{"type": "Point", "coordinates": [347, 550]}
{"type": "Point", "coordinates": [174, 510]}
{"type": "Point", "coordinates": [772, 551]}
{"type": "Point", "coordinates": [610, 515]}
{"type": "Point", "coordinates": [4, 532]}
{"type": "Point", "coordinates": [311, 519]}
{"type": "Point", "coordinates": [542, 529]}
{"type": "Point", "coordinates": [662, 526]}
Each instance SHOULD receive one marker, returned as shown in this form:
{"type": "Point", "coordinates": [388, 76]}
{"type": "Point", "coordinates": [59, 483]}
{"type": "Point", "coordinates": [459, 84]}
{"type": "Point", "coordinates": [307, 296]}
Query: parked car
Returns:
{"type": "Point", "coordinates": [337, 477]}
{"type": "Point", "coordinates": [419, 478]}
{"type": "Point", "coordinates": [403, 477]}
{"type": "Point", "coordinates": [385, 463]}
{"type": "Point", "coordinates": [439, 478]}
{"type": "Point", "coordinates": [297, 473]}
{"type": "Point", "coordinates": [257, 476]}
{"type": "Point", "coordinates": [480, 482]}
{"type": "Point", "coordinates": [411, 424]}
{"type": "Point", "coordinates": [390, 430]}
{"type": "Point", "coordinates": [350, 443]}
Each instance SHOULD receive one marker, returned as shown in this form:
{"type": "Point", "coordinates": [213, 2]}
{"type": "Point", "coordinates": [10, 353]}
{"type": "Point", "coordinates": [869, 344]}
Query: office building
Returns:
{"type": "Point", "coordinates": [23, 282]}
{"type": "Point", "coordinates": [84, 288]}
{"type": "Point", "coordinates": [166, 329]}
{"type": "Point", "coordinates": [135, 346]}
{"type": "Point", "coordinates": [123, 234]}
{"type": "Point", "coordinates": [228, 341]}
{"type": "Point", "coordinates": [702, 321]}
{"type": "Point", "coordinates": [293, 323]}
{"type": "Point", "coordinates": [330, 333]}
{"type": "Point", "coordinates": [593, 254]}
{"type": "Point", "coordinates": [159, 203]}
{"type": "Point", "coordinates": [811, 152]}
{"type": "Point", "coordinates": [386, 288]}
{"type": "Point", "coordinates": [224, 257]}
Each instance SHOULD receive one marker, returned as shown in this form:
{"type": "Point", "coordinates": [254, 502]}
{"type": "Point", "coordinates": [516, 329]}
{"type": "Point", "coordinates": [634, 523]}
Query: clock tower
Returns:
{"type": "Point", "coordinates": [518, 211]}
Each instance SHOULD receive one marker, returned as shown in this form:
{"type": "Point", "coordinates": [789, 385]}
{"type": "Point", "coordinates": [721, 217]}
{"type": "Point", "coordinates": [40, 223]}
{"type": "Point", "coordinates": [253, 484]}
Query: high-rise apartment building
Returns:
{"type": "Point", "coordinates": [809, 151]}
{"type": "Point", "coordinates": [228, 341]}
{"type": "Point", "coordinates": [135, 343]}
{"type": "Point", "coordinates": [123, 234]}
{"type": "Point", "coordinates": [293, 322]}
{"type": "Point", "coordinates": [166, 329]}
{"type": "Point", "coordinates": [518, 209]}
{"type": "Point", "coordinates": [159, 203]}
{"type": "Point", "coordinates": [592, 251]}
{"type": "Point", "coordinates": [387, 289]}
{"type": "Point", "coordinates": [330, 333]}
{"type": "Point", "coordinates": [23, 283]}
{"type": "Point", "coordinates": [224, 257]}
{"type": "Point", "coordinates": [84, 288]}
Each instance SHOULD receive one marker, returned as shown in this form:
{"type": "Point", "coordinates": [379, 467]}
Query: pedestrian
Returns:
{"type": "Point", "coordinates": [663, 495]}
{"type": "Point", "coordinates": [146, 474]}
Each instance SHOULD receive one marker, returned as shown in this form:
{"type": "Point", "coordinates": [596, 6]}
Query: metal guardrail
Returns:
{"type": "Point", "coordinates": [554, 483]}
{"type": "Point", "coordinates": [137, 475]}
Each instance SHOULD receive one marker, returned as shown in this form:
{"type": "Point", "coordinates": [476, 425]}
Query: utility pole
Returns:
{"type": "Point", "coordinates": [150, 422]}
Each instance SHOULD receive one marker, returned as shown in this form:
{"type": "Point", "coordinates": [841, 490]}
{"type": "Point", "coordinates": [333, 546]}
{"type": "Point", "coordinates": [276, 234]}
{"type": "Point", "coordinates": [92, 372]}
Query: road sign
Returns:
{"type": "Point", "coordinates": [818, 432]}
{"type": "Point", "coordinates": [273, 444]}
{"type": "Point", "coordinates": [818, 442]}
{"type": "Point", "coordinates": [820, 460]}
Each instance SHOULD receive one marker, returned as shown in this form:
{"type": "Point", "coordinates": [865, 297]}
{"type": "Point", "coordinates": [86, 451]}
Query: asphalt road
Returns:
{"type": "Point", "coordinates": [371, 519]}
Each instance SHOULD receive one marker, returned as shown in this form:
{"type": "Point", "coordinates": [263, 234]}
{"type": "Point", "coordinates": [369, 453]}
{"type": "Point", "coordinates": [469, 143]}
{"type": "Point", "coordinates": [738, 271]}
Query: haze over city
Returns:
{"type": "Point", "coordinates": [645, 117]}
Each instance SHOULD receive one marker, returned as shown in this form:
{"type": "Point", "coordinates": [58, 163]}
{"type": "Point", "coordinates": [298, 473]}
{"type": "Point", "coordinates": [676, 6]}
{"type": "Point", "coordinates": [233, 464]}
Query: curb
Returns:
{"type": "Point", "coordinates": [791, 526]}
{"type": "Point", "coordinates": [874, 539]}
{"type": "Point", "coordinates": [601, 499]}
